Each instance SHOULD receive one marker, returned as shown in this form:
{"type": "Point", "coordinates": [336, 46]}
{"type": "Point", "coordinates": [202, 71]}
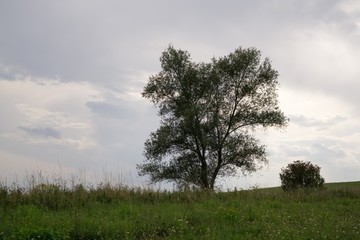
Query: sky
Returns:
{"type": "Point", "coordinates": [72, 73]}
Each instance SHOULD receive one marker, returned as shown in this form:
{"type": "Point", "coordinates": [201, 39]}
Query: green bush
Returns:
{"type": "Point", "coordinates": [300, 175]}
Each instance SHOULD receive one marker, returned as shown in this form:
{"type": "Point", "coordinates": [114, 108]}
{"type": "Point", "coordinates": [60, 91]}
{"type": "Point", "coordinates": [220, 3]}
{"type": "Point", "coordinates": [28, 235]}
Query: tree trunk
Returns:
{"type": "Point", "coordinates": [204, 174]}
{"type": "Point", "coordinates": [217, 169]}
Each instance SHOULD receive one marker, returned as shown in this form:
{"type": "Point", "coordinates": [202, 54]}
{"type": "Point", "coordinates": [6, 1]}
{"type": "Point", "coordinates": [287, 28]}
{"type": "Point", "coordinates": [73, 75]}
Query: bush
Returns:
{"type": "Point", "coordinates": [301, 175]}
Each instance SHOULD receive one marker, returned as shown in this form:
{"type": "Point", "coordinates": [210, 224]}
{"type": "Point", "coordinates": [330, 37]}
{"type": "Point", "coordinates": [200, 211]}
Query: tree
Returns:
{"type": "Point", "coordinates": [208, 113]}
{"type": "Point", "coordinates": [301, 174]}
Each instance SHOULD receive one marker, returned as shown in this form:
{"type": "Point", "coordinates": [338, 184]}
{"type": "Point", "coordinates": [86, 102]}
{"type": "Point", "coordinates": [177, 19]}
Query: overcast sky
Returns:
{"type": "Point", "coordinates": [72, 72]}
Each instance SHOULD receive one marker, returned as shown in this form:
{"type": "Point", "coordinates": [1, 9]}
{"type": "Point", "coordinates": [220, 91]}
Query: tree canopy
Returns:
{"type": "Point", "coordinates": [209, 112]}
{"type": "Point", "coordinates": [299, 175]}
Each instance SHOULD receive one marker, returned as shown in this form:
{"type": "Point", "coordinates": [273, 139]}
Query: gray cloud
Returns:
{"type": "Point", "coordinates": [122, 110]}
{"type": "Point", "coordinates": [326, 153]}
{"type": "Point", "coordinates": [319, 124]}
{"type": "Point", "coordinates": [105, 41]}
{"type": "Point", "coordinates": [46, 132]}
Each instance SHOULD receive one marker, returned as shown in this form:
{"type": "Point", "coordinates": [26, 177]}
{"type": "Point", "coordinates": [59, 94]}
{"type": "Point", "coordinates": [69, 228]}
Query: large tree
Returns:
{"type": "Point", "coordinates": [209, 112]}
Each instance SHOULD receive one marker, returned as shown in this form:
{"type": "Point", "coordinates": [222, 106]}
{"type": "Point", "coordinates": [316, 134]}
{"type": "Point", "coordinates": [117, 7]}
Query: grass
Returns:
{"type": "Point", "coordinates": [57, 211]}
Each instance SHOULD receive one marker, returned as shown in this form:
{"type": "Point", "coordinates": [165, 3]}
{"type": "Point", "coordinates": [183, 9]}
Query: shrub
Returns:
{"type": "Point", "coordinates": [301, 175]}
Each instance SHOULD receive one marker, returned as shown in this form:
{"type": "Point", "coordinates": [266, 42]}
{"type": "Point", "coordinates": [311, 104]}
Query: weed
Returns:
{"type": "Point", "coordinates": [49, 210]}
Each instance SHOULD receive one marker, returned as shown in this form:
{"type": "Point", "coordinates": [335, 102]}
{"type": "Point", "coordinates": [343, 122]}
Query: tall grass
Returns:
{"type": "Point", "coordinates": [60, 209]}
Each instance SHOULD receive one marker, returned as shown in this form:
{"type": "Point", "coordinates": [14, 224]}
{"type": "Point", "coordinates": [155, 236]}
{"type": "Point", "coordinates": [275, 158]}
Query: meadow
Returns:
{"type": "Point", "coordinates": [58, 211]}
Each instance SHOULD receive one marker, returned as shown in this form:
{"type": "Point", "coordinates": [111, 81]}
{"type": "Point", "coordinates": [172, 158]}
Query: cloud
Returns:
{"type": "Point", "coordinates": [8, 72]}
{"type": "Point", "coordinates": [323, 152]}
{"type": "Point", "coordinates": [120, 111]}
{"type": "Point", "coordinates": [35, 115]}
{"type": "Point", "coordinates": [319, 124]}
{"type": "Point", "coordinates": [71, 74]}
{"type": "Point", "coordinates": [314, 151]}
{"type": "Point", "coordinates": [37, 112]}
{"type": "Point", "coordinates": [42, 132]}
{"type": "Point", "coordinates": [81, 125]}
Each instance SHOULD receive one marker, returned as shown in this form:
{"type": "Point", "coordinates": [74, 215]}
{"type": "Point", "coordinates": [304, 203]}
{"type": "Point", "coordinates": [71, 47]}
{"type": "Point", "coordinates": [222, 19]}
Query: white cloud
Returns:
{"type": "Point", "coordinates": [40, 104]}
{"type": "Point", "coordinates": [319, 124]}
{"type": "Point", "coordinates": [40, 116]}
{"type": "Point", "coordinates": [77, 125]}
{"type": "Point", "coordinates": [350, 7]}
{"type": "Point", "coordinates": [332, 58]}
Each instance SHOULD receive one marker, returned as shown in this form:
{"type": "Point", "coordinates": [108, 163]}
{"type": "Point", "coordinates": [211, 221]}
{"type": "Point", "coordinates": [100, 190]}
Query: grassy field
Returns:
{"type": "Point", "coordinates": [53, 211]}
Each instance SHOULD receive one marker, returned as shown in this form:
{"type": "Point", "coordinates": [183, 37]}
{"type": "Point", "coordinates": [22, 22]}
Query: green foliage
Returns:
{"type": "Point", "coordinates": [301, 174]}
{"type": "Point", "coordinates": [208, 111]}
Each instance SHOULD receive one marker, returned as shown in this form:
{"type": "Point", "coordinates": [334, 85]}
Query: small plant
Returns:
{"type": "Point", "coordinates": [300, 175]}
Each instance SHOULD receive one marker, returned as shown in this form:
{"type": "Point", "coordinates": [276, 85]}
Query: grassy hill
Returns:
{"type": "Point", "coordinates": [329, 186]}
{"type": "Point", "coordinates": [49, 211]}
{"type": "Point", "coordinates": [343, 185]}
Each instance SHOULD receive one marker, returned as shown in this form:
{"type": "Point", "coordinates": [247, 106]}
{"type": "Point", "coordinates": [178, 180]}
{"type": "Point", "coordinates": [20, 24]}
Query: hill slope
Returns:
{"type": "Point", "coordinates": [50, 212]}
